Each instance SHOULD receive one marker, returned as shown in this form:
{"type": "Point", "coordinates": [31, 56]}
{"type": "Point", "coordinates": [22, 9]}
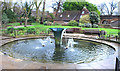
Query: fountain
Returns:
{"type": "Point", "coordinates": [51, 50]}
{"type": "Point", "coordinates": [58, 32]}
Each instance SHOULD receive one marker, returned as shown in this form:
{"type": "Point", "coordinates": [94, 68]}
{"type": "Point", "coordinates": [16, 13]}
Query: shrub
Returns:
{"type": "Point", "coordinates": [22, 20]}
{"type": "Point", "coordinates": [20, 33]}
{"type": "Point", "coordinates": [31, 30]}
{"type": "Point", "coordinates": [73, 23]}
{"type": "Point", "coordinates": [10, 29]}
{"type": "Point", "coordinates": [95, 26]}
{"type": "Point", "coordinates": [12, 34]}
{"type": "Point", "coordinates": [32, 20]}
{"type": "Point", "coordinates": [85, 19]}
{"type": "Point", "coordinates": [21, 28]}
{"type": "Point", "coordinates": [88, 25]}
{"type": "Point", "coordinates": [94, 18]}
{"type": "Point", "coordinates": [82, 25]}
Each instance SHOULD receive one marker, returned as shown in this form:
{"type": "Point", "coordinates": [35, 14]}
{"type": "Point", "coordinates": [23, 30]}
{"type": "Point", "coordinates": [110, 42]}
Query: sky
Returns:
{"type": "Point", "coordinates": [50, 2]}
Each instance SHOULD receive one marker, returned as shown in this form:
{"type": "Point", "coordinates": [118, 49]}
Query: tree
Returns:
{"type": "Point", "coordinates": [27, 11]}
{"type": "Point", "coordinates": [4, 18]}
{"type": "Point", "coordinates": [94, 18]}
{"type": "Point", "coordinates": [57, 6]}
{"type": "Point", "coordinates": [108, 9]}
{"type": "Point", "coordinates": [37, 9]}
{"type": "Point", "coordinates": [85, 19]}
{"type": "Point", "coordinates": [42, 18]}
{"type": "Point", "coordinates": [79, 6]}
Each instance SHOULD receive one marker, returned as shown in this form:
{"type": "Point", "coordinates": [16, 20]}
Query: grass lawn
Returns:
{"type": "Point", "coordinates": [45, 28]}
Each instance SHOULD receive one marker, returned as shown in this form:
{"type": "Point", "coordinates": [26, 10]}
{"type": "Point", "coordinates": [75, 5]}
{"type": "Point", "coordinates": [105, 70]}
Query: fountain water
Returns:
{"type": "Point", "coordinates": [48, 39]}
{"type": "Point", "coordinates": [42, 42]}
{"type": "Point", "coordinates": [70, 43]}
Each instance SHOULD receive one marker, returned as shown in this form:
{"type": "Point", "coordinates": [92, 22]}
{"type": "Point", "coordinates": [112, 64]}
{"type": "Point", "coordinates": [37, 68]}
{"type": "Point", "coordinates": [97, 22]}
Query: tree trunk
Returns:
{"type": "Point", "coordinates": [58, 8]}
{"type": "Point", "coordinates": [25, 25]}
{"type": "Point", "coordinates": [37, 18]}
{"type": "Point", "coordinates": [92, 25]}
{"type": "Point", "coordinates": [42, 18]}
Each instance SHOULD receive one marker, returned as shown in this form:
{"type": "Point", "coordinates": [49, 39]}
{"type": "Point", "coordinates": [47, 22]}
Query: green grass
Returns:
{"type": "Point", "coordinates": [15, 24]}
{"type": "Point", "coordinates": [42, 28]}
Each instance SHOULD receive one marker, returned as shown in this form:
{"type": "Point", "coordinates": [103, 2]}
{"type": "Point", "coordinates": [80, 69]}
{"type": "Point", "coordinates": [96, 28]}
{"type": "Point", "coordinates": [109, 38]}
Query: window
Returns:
{"type": "Point", "coordinates": [83, 12]}
{"type": "Point", "coordinates": [68, 16]}
{"type": "Point", "coordinates": [61, 15]}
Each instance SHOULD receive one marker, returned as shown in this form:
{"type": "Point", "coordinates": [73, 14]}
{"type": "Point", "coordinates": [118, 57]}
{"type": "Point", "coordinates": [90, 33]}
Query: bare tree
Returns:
{"type": "Point", "coordinates": [42, 18]}
{"type": "Point", "coordinates": [37, 8]}
{"type": "Point", "coordinates": [108, 9]}
{"type": "Point", "coordinates": [27, 9]}
{"type": "Point", "coordinates": [57, 6]}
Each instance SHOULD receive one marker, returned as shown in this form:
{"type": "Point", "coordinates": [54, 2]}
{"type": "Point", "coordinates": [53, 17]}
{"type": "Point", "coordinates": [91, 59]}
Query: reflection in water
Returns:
{"type": "Point", "coordinates": [79, 51]}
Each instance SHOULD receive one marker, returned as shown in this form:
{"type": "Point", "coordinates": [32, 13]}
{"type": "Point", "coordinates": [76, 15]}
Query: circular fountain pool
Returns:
{"type": "Point", "coordinates": [81, 51]}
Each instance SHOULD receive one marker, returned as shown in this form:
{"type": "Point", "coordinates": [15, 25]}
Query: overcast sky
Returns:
{"type": "Point", "coordinates": [50, 2]}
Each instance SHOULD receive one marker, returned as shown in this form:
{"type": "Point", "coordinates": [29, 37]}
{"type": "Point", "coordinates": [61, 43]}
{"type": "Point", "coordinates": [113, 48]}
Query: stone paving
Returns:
{"type": "Point", "coordinates": [7, 62]}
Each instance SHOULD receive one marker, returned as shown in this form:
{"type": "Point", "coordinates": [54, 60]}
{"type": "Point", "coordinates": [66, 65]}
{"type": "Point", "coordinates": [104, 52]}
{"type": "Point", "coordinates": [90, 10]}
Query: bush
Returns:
{"type": "Point", "coordinates": [21, 28]}
{"type": "Point", "coordinates": [95, 26]}
{"type": "Point", "coordinates": [20, 33]}
{"type": "Point", "coordinates": [10, 29]}
{"type": "Point", "coordinates": [47, 23]}
{"type": "Point", "coordinates": [73, 23]}
{"type": "Point", "coordinates": [22, 20]}
{"type": "Point", "coordinates": [82, 25]}
{"type": "Point", "coordinates": [32, 20]}
{"type": "Point", "coordinates": [88, 25]}
{"type": "Point", "coordinates": [31, 30]}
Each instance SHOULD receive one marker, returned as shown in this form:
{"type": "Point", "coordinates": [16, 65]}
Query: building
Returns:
{"type": "Point", "coordinates": [66, 16]}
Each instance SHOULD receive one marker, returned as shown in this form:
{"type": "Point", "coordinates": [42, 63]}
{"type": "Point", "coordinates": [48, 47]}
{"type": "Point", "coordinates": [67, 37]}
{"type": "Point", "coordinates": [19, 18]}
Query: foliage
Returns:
{"type": "Point", "coordinates": [27, 9]}
{"type": "Point", "coordinates": [10, 14]}
{"type": "Point", "coordinates": [95, 26]}
{"type": "Point", "coordinates": [94, 18]}
{"type": "Point", "coordinates": [31, 30]}
{"type": "Point", "coordinates": [22, 20]}
{"type": "Point", "coordinates": [32, 20]}
{"type": "Point", "coordinates": [85, 19]}
{"type": "Point", "coordinates": [88, 25]}
{"type": "Point", "coordinates": [79, 6]}
{"type": "Point", "coordinates": [43, 28]}
{"type": "Point", "coordinates": [10, 29]}
{"type": "Point", "coordinates": [73, 23]}
{"type": "Point", "coordinates": [21, 28]}
{"type": "Point", "coordinates": [20, 33]}
{"type": "Point", "coordinates": [52, 15]}
{"type": "Point", "coordinates": [82, 25]}
{"type": "Point", "coordinates": [4, 18]}
{"type": "Point", "coordinates": [12, 34]}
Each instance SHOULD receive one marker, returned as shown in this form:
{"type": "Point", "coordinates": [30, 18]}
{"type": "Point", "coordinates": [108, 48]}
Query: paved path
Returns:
{"type": "Point", "coordinates": [7, 62]}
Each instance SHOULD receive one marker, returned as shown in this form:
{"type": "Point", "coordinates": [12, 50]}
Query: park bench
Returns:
{"type": "Point", "coordinates": [91, 31]}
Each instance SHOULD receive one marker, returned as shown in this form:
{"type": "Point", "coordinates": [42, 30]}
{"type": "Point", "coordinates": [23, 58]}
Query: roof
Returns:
{"type": "Point", "coordinates": [71, 15]}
